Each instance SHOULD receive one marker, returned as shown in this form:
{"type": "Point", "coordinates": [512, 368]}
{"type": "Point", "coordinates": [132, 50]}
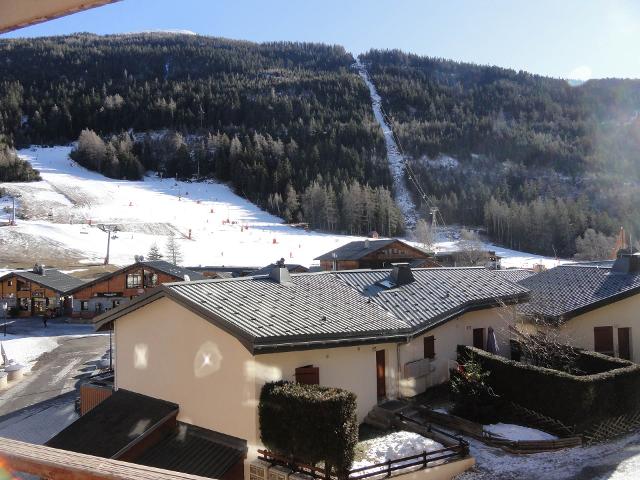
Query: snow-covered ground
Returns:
{"type": "Point", "coordinates": [26, 347]}
{"type": "Point", "coordinates": [61, 213]}
{"type": "Point", "coordinates": [616, 460]}
{"type": "Point", "coordinates": [517, 432]}
{"type": "Point", "coordinates": [395, 158]}
{"type": "Point", "coordinates": [393, 446]}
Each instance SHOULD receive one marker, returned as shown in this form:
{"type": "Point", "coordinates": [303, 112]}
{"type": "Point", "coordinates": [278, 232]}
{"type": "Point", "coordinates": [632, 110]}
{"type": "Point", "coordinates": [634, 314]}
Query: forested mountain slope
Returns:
{"type": "Point", "coordinates": [289, 125]}
{"type": "Point", "coordinates": [536, 160]}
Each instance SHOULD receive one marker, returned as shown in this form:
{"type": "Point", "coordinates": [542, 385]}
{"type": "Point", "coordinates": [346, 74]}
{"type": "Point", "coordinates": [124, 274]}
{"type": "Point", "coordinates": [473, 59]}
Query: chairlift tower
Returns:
{"type": "Point", "coordinates": [108, 229]}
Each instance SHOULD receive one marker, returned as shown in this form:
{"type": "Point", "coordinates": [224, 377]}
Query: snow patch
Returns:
{"type": "Point", "coordinates": [517, 432]}
{"type": "Point", "coordinates": [394, 446]}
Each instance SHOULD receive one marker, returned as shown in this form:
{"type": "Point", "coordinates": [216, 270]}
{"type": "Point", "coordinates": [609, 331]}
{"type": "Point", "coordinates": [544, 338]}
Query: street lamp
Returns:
{"type": "Point", "coordinates": [5, 305]}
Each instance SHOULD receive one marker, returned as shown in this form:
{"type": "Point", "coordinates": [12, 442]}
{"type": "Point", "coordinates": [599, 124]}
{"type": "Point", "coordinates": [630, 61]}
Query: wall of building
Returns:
{"type": "Point", "coordinates": [446, 338]}
{"type": "Point", "coordinates": [624, 313]}
{"type": "Point", "coordinates": [9, 292]}
{"type": "Point", "coordinates": [165, 351]}
{"type": "Point", "coordinates": [103, 293]}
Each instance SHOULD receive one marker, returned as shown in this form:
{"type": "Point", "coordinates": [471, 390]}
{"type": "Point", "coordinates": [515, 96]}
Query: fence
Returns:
{"type": "Point", "coordinates": [422, 460]}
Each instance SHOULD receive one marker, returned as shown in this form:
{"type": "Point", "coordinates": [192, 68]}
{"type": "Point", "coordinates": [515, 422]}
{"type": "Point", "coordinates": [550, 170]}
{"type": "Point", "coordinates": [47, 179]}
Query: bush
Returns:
{"type": "Point", "coordinates": [578, 401]}
{"type": "Point", "coordinates": [309, 423]}
{"type": "Point", "coordinates": [474, 398]}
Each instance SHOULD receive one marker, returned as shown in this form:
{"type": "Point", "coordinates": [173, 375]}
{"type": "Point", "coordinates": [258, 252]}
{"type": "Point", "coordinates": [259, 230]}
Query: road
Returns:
{"type": "Point", "coordinates": [56, 372]}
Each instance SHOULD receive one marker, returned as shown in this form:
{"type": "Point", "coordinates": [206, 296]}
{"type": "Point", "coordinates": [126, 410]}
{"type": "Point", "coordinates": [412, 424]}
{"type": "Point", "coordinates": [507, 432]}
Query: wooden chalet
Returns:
{"type": "Point", "coordinates": [40, 291]}
{"type": "Point", "coordinates": [371, 254]}
{"type": "Point", "coordinates": [113, 289]}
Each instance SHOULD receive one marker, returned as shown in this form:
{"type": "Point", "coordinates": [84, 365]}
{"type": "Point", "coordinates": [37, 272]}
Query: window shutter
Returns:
{"type": "Point", "coordinates": [308, 375]}
{"type": "Point", "coordinates": [429, 347]}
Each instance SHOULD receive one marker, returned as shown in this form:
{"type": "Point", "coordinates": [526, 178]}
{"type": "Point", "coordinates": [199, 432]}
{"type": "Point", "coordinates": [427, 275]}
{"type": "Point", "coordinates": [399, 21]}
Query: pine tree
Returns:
{"type": "Point", "coordinates": [173, 251]}
{"type": "Point", "coordinates": [154, 253]}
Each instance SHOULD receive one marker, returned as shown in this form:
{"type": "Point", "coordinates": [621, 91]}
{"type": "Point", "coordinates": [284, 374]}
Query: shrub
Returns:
{"type": "Point", "coordinates": [578, 401]}
{"type": "Point", "coordinates": [474, 398]}
{"type": "Point", "coordinates": [309, 423]}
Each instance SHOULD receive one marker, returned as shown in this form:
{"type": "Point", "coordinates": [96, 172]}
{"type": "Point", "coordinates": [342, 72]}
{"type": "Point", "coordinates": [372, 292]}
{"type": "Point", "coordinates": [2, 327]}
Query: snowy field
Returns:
{"type": "Point", "coordinates": [61, 213]}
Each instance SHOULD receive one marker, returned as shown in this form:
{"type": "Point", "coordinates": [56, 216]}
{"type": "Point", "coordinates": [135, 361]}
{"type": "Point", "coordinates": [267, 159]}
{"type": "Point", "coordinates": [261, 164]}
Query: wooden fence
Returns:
{"type": "Point", "coordinates": [414, 462]}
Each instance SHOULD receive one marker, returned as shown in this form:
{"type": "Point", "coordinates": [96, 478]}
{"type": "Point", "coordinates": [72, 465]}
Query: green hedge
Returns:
{"type": "Point", "coordinates": [578, 401]}
{"type": "Point", "coordinates": [309, 423]}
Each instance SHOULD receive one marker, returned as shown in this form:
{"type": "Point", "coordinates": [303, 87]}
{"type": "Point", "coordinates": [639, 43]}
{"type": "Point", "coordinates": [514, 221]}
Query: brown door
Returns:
{"type": "Point", "coordinates": [429, 347]}
{"type": "Point", "coordinates": [603, 340]}
{"type": "Point", "coordinates": [624, 343]}
{"type": "Point", "coordinates": [478, 338]}
{"type": "Point", "coordinates": [380, 374]}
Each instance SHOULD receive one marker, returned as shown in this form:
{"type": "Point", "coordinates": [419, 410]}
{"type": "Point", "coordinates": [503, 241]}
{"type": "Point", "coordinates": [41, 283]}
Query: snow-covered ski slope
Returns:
{"type": "Point", "coordinates": [63, 209]}
{"type": "Point", "coordinates": [395, 158]}
{"type": "Point", "coordinates": [61, 213]}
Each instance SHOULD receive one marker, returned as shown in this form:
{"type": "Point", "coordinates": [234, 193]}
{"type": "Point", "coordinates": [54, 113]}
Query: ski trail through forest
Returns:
{"type": "Point", "coordinates": [394, 157]}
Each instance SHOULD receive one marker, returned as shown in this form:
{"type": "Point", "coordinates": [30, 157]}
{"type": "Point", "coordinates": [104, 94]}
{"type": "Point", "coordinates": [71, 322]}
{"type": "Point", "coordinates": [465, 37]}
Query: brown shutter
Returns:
{"type": "Point", "coordinates": [380, 374]}
{"type": "Point", "coordinates": [478, 338]}
{"type": "Point", "coordinates": [624, 343]}
{"type": "Point", "coordinates": [603, 340]}
{"type": "Point", "coordinates": [309, 375]}
{"type": "Point", "coordinates": [429, 347]}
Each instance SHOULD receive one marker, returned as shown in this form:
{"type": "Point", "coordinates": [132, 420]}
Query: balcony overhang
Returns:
{"type": "Point", "coordinates": [16, 14]}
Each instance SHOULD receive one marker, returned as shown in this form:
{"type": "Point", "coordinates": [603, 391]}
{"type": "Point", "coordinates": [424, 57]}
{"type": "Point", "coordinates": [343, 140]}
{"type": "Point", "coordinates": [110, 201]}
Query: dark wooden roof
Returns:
{"type": "Point", "coordinates": [195, 450]}
{"type": "Point", "coordinates": [565, 291]}
{"type": "Point", "coordinates": [52, 278]}
{"type": "Point", "coordinates": [361, 248]}
{"type": "Point", "coordinates": [114, 424]}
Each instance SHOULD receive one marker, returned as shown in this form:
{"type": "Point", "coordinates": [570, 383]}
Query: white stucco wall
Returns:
{"type": "Point", "coordinates": [165, 351]}
{"type": "Point", "coordinates": [624, 313]}
{"type": "Point", "coordinates": [446, 339]}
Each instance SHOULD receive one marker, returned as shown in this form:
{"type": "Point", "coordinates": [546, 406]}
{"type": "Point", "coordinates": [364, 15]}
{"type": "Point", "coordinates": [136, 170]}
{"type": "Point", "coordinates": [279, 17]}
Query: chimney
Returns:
{"type": "Point", "coordinates": [279, 273]}
{"type": "Point", "coordinates": [401, 274]}
{"type": "Point", "coordinates": [626, 263]}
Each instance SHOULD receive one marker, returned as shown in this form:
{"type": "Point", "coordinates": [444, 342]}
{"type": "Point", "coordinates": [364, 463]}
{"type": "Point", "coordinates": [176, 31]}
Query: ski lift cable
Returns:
{"type": "Point", "coordinates": [412, 176]}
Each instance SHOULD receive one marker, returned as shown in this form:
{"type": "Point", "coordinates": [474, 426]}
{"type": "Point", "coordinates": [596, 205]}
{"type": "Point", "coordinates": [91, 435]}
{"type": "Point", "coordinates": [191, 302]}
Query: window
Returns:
{"type": "Point", "coordinates": [134, 280]}
{"type": "Point", "coordinates": [84, 305]}
{"type": "Point", "coordinates": [150, 279]}
{"type": "Point", "coordinates": [9, 283]}
{"type": "Point", "coordinates": [24, 304]}
{"type": "Point", "coordinates": [429, 347]}
{"type": "Point", "coordinates": [23, 286]}
{"type": "Point", "coordinates": [603, 340]}
{"type": "Point", "coordinates": [309, 375]}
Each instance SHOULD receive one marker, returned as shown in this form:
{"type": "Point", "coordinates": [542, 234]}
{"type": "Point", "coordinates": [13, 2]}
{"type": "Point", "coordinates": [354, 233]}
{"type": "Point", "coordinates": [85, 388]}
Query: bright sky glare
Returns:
{"type": "Point", "coordinates": [577, 39]}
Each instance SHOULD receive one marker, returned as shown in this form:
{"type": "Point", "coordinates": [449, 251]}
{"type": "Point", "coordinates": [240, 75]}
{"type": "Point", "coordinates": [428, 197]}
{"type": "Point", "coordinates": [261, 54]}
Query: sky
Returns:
{"type": "Point", "coordinates": [576, 39]}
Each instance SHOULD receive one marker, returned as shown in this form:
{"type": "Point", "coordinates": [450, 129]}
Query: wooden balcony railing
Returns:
{"type": "Point", "coordinates": [54, 464]}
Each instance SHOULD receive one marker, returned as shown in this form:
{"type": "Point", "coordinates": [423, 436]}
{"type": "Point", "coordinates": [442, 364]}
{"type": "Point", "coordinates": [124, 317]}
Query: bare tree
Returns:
{"type": "Point", "coordinates": [174, 253]}
{"type": "Point", "coordinates": [471, 251]}
{"type": "Point", "coordinates": [424, 234]}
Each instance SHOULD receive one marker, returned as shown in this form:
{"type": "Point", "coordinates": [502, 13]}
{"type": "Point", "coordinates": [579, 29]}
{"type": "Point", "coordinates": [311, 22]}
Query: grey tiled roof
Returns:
{"type": "Point", "coordinates": [436, 294]}
{"type": "Point", "coordinates": [331, 308]}
{"type": "Point", "coordinates": [568, 290]}
{"type": "Point", "coordinates": [316, 306]}
{"type": "Point", "coordinates": [358, 249]}
{"type": "Point", "coordinates": [52, 278]}
{"type": "Point", "coordinates": [515, 274]}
